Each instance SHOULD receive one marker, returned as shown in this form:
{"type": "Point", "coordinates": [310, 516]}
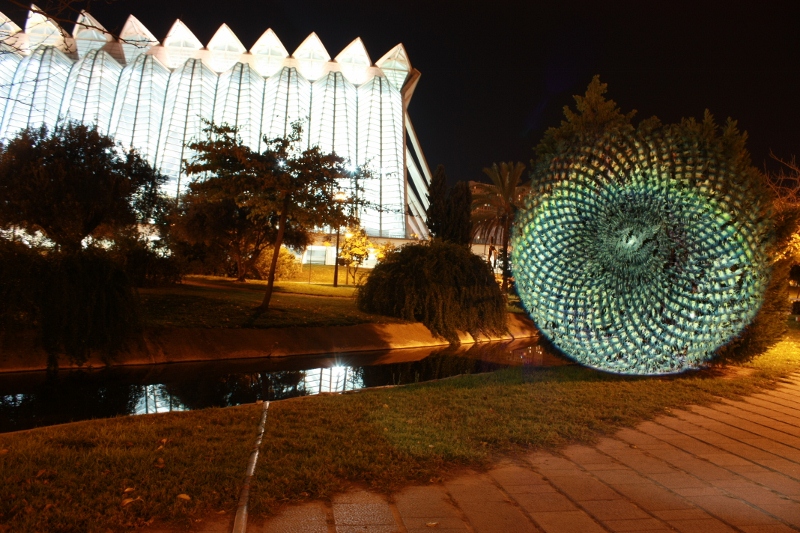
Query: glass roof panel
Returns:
{"type": "Point", "coordinates": [135, 38]}
{"type": "Point", "coordinates": [226, 49]}
{"type": "Point", "coordinates": [312, 56]}
{"type": "Point", "coordinates": [269, 53]}
{"type": "Point", "coordinates": [181, 44]}
{"type": "Point", "coordinates": [7, 28]}
{"type": "Point", "coordinates": [89, 34]}
{"type": "Point", "coordinates": [396, 66]}
{"type": "Point", "coordinates": [354, 61]}
{"type": "Point", "coordinates": [42, 30]}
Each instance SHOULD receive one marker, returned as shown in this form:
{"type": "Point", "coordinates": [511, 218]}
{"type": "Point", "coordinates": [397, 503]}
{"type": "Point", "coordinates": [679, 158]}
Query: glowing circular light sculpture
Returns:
{"type": "Point", "coordinates": [641, 255]}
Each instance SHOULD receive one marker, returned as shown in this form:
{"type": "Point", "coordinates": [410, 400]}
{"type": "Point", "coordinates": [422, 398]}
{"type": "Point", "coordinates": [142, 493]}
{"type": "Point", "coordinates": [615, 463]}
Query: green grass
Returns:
{"type": "Point", "coordinates": [218, 302]}
{"type": "Point", "coordinates": [316, 446]}
{"type": "Point", "coordinates": [222, 303]}
{"type": "Point", "coordinates": [73, 477]}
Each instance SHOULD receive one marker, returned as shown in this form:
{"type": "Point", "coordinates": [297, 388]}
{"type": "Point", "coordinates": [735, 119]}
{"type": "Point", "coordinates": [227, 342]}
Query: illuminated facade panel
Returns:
{"type": "Point", "coordinates": [287, 99]}
{"type": "Point", "coordinates": [37, 89]}
{"type": "Point", "coordinates": [380, 148]}
{"type": "Point", "coordinates": [139, 105]}
{"type": "Point", "coordinates": [240, 102]}
{"type": "Point", "coordinates": [334, 115]}
{"type": "Point", "coordinates": [190, 97]}
{"type": "Point", "coordinates": [91, 88]}
{"type": "Point", "coordinates": [154, 97]}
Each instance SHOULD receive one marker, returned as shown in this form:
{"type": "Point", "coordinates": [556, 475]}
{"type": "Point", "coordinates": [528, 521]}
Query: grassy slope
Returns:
{"type": "Point", "coordinates": [217, 302]}
{"type": "Point", "coordinates": [318, 445]}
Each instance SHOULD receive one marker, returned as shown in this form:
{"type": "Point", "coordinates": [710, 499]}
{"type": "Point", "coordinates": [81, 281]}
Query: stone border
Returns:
{"type": "Point", "coordinates": [179, 345]}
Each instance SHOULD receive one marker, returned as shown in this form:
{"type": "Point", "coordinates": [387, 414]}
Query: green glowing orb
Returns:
{"type": "Point", "coordinates": [641, 255]}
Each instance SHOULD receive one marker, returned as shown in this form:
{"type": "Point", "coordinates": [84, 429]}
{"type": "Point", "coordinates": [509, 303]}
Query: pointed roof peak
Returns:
{"type": "Point", "coordinates": [225, 39]}
{"type": "Point", "coordinates": [269, 53]}
{"type": "Point", "coordinates": [312, 56]}
{"type": "Point", "coordinates": [42, 30]}
{"type": "Point", "coordinates": [395, 65]}
{"type": "Point", "coordinates": [7, 27]}
{"type": "Point", "coordinates": [181, 36]}
{"type": "Point", "coordinates": [135, 39]}
{"type": "Point", "coordinates": [354, 61]}
{"type": "Point", "coordinates": [87, 22]}
{"type": "Point", "coordinates": [135, 30]}
{"type": "Point", "coordinates": [397, 53]}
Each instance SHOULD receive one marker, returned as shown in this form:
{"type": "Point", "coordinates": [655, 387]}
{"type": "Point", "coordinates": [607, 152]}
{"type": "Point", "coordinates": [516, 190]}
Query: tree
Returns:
{"type": "Point", "coordinates": [459, 219]}
{"type": "Point", "coordinates": [284, 187]}
{"type": "Point", "coordinates": [594, 116]}
{"type": "Point", "coordinates": [448, 214]}
{"type": "Point", "coordinates": [494, 206]}
{"type": "Point", "coordinates": [208, 214]}
{"type": "Point", "coordinates": [355, 250]}
{"type": "Point", "coordinates": [73, 182]}
{"type": "Point", "coordinates": [436, 214]}
{"type": "Point", "coordinates": [442, 284]}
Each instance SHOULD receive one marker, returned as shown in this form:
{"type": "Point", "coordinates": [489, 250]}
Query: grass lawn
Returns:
{"type": "Point", "coordinates": [217, 302]}
{"type": "Point", "coordinates": [74, 477]}
{"type": "Point", "coordinates": [221, 303]}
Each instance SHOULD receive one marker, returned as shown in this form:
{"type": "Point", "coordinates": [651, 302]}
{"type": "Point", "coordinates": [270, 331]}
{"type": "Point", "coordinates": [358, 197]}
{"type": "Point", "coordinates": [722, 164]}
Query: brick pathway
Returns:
{"type": "Point", "coordinates": [729, 467]}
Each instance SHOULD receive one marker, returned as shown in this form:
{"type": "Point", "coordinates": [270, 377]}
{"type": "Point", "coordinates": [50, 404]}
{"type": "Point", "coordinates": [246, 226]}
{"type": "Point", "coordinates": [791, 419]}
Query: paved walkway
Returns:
{"type": "Point", "coordinates": [733, 466]}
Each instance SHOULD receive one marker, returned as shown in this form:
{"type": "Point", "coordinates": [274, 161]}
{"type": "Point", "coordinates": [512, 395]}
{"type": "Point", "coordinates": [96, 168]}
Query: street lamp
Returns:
{"type": "Point", "coordinates": [339, 197]}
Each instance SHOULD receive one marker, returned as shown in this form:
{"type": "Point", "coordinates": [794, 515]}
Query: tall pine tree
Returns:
{"type": "Point", "coordinates": [448, 214]}
{"type": "Point", "coordinates": [437, 203]}
{"type": "Point", "coordinates": [458, 229]}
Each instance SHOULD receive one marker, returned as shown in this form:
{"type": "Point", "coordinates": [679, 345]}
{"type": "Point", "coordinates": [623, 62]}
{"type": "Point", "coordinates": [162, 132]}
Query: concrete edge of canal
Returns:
{"type": "Point", "coordinates": [19, 353]}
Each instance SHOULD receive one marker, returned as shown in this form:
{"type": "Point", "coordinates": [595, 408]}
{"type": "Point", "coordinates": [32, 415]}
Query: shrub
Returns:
{"type": "Point", "coordinates": [20, 270]}
{"type": "Point", "coordinates": [87, 304]}
{"type": "Point", "coordinates": [146, 267]}
{"type": "Point", "coordinates": [288, 265]}
{"type": "Point", "coordinates": [442, 285]}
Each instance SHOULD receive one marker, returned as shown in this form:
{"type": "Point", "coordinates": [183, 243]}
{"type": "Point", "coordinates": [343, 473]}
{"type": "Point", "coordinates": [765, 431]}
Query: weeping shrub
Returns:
{"type": "Point", "coordinates": [441, 284]}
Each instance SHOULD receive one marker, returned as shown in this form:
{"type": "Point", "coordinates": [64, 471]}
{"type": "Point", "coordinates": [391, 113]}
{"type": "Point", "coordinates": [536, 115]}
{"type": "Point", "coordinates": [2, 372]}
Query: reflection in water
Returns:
{"type": "Point", "coordinates": [33, 400]}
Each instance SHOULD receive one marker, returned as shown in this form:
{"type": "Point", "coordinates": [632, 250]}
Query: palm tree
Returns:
{"type": "Point", "coordinates": [494, 205]}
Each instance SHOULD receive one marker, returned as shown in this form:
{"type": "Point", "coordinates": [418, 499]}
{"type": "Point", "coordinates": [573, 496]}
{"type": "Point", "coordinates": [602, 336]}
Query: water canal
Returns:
{"type": "Point", "coordinates": [34, 399]}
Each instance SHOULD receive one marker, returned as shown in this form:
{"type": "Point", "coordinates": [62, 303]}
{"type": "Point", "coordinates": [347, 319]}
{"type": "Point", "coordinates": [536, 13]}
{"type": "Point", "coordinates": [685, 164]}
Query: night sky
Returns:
{"type": "Point", "coordinates": [495, 77]}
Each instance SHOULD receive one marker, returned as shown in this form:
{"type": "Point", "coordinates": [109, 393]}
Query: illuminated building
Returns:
{"type": "Point", "coordinates": [152, 95]}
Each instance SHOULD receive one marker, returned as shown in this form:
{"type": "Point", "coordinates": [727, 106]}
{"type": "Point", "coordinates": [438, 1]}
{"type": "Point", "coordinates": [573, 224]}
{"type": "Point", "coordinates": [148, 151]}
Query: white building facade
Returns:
{"type": "Point", "coordinates": [153, 95]}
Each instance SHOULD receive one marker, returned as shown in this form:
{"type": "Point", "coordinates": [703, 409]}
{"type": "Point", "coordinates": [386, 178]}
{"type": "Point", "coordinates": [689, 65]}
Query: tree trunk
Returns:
{"type": "Point", "coordinates": [241, 271]}
{"type": "Point", "coordinates": [275, 252]}
{"type": "Point", "coordinates": [506, 225]}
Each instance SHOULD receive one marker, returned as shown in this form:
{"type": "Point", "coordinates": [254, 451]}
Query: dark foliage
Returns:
{"type": "Point", "coordinates": [796, 307]}
{"type": "Point", "coordinates": [21, 270]}
{"type": "Point", "coordinates": [459, 222]}
{"type": "Point", "coordinates": [441, 284]}
{"type": "Point", "coordinates": [449, 210]}
{"type": "Point", "coordinates": [146, 267]}
{"type": "Point", "coordinates": [73, 182]}
{"type": "Point", "coordinates": [87, 304]}
{"type": "Point", "coordinates": [437, 203]}
{"type": "Point", "coordinates": [77, 303]}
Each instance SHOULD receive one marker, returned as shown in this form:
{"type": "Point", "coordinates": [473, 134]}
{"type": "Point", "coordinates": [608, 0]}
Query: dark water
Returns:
{"type": "Point", "coordinates": [29, 400]}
